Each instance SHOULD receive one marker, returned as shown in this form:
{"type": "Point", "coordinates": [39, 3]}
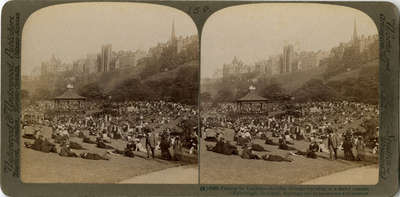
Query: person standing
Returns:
{"type": "Point", "coordinates": [347, 146]}
{"type": "Point", "coordinates": [333, 143]}
{"type": "Point", "coordinates": [360, 146]}
{"type": "Point", "coordinates": [150, 143]}
{"type": "Point", "coordinates": [164, 146]}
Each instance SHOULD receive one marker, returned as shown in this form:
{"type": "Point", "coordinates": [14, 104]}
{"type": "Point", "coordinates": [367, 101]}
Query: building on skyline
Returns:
{"type": "Point", "coordinates": [104, 58]}
{"type": "Point", "coordinates": [292, 59]}
{"type": "Point", "coordinates": [108, 60]}
{"type": "Point", "coordinates": [287, 60]}
{"type": "Point", "coordinates": [90, 64]}
{"type": "Point", "coordinates": [234, 69]}
{"type": "Point", "coordinates": [53, 66]}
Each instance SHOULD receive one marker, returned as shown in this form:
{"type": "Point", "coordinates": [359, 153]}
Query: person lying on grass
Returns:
{"type": "Point", "coordinates": [94, 156]}
{"type": "Point", "coordinates": [101, 144]}
{"type": "Point", "coordinates": [311, 151]}
{"type": "Point", "coordinates": [247, 153]}
{"type": "Point", "coordinates": [270, 141]}
{"type": "Point", "coordinates": [41, 144]}
{"type": "Point", "coordinates": [283, 144]}
{"type": "Point", "coordinates": [278, 158]}
{"type": "Point", "coordinates": [66, 151]}
{"type": "Point", "coordinates": [225, 148]}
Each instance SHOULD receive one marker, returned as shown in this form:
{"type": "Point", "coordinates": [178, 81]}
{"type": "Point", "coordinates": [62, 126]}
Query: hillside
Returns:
{"type": "Point", "coordinates": [292, 81]}
{"type": "Point", "coordinates": [179, 84]}
{"type": "Point", "coordinates": [359, 84]}
{"type": "Point", "coordinates": [355, 73]}
{"type": "Point", "coordinates": [171, 74]}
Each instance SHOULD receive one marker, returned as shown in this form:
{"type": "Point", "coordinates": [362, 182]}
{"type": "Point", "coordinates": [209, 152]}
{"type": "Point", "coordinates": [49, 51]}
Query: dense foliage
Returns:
{"type": "Point", "coordinates": [171, 76]}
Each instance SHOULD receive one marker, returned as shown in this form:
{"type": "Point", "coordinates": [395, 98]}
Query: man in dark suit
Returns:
{"type": "Point", "coordinates": [150, 143]}
{"type": "Point", "coordinates": [333, 143]}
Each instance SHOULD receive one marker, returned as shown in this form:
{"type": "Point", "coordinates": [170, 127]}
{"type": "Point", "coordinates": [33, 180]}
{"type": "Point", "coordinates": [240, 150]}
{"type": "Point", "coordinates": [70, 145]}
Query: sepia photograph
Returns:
{"type": "Point", "coordinates": [289, 94]}
{"type": "Point", "coordinates": [109, 94]}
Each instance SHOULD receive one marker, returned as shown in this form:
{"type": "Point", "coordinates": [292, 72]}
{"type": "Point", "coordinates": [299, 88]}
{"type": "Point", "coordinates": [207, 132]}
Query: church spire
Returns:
{"type": "Point", "coordinates": [355, 34]}
{"type": "Point", "coordinates": [173, 36]}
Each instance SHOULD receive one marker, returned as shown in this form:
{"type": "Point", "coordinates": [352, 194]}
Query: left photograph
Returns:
{"type": "Point", "coordinates": [109, 95]}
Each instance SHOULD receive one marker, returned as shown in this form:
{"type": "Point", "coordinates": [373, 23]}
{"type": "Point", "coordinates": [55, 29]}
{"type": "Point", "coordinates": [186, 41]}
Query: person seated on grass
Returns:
{"type": "Point", "coordinates": [92, 132]}
{"type": "Point", "coordinates": [283, 145]}
{"type": "Point", "coordinates": [247, 135]}
{"type": "Point", "coordinates": [100, 144]}
{"type": "Point", "coordinates": [128, 152]}
{"type": "Point", "coordinates": [64, 132]}
{"type": "Point", "coordinates": [311, 151]}
{"type": "Point", "coordinates": [288, 138]}
{"type": "Point", "coordinates": [299, 133]}
{"type": "Point", "coordinates": [131, 145]}
{"type": "Point", "coordinates": [278, 158]}
{"type": "Point", "coordinates": [94, 156]}
{"type": "Point", "coordinates": [88, 140]}
{"type": "Point", "coordinates": [139, 146]}
{"type": "Point", "coordinates": [270, 141]}
{"type": "Point", "coordinates": [37, 144]}
{"type": "Point", "coordinates": [81, 135]}
{"type": "Point", "coordinates": [247, 153]}
{"type": "Point", "coordinates": [76, 146]}
{"type": "Point", "coordinates": [30, 132]}
{"type": "Point", "coordinates": [66, 151]}
{"type": "Point", "coordinates": [229, 149]}
{"type": "Point", "coordinates": [263, 136]}
{"type": "Point", "coordinates": [257, 147]}
{"type": "Point", "coordinates": [58, 138]}
{"type": "Point", "coordinates": [243, 138]}
{"type": "Point", "coordinates": [218, 148]}
{"type": "Point", "coordinates": [42, 144]}
{"type": "Point", "coordinates": [225, 148]}
{"type": "Point", "coordinates": [210, 139]}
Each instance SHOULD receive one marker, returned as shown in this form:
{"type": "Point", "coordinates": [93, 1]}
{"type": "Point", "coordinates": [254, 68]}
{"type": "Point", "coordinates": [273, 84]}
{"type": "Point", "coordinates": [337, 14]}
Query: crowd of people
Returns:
{"type": "Point", "coordinates": [141, 126]}
{"type": "Point", "coordinates": [327, 126]}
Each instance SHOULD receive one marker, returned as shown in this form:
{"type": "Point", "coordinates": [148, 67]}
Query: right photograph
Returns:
{"type": "Point", "coordinates": [289, 94]}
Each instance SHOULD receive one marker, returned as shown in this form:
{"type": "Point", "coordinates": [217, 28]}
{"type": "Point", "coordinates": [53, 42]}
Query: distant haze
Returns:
{"type": "Point", "coordinates": [70, 31]}
{"type": "Point", "coordinates": [254, 32]}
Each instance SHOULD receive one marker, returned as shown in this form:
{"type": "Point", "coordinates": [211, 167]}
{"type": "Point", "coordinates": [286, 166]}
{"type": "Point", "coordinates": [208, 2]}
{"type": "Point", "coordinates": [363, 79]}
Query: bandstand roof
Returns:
{"type": "Point", "coordinates": [70, 94]}
{"type": "Point", "coordinates": [252, 97]}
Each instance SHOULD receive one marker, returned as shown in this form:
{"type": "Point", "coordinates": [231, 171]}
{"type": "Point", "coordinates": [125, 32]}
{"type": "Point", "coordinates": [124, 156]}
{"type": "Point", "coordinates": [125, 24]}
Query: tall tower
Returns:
{"type": "Point", "coordinates": [287, 58]}
{"type": "Point", "coordinates": [173, 36]}
{"type": "Point", "coordinates": [105, 56]}
{"type": "Point", "coordinates": [355, 34]}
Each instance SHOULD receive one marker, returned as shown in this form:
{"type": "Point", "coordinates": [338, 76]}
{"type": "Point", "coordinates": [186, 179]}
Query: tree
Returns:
{"type": "Point", "coordinates": [92, 91]}
{"type": "Point", "coordinates": [225, 95]}
{"type": "Point", "coordinates": [151, 66]}
{"type": "Point", "coordinates": [370, 126]}
{"type": "Point", "coordinates": [205, 97]}
{"type": "Point", "coordinates": [24, 94]}
{"type": "Point", "coordinates": [274, 91]}
{"type": "Point", "coordinates": [315, 90]}
{"type": "Point", "coordinates": [42, 94]}
{"type": "Point", "coordinates": [168, 59]}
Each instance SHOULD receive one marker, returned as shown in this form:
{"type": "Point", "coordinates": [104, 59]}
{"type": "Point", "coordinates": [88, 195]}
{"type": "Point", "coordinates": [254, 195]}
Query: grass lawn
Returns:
{"type": "Point", "coordinates": [39, 167]}
{"type": "Point", "coordinates": [231, 169]}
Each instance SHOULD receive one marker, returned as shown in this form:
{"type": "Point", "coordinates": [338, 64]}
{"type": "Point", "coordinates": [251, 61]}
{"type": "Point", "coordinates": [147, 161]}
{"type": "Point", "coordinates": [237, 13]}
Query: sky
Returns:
{"type": "Point", "coordinates": [254, 32]}
{"type": "Point", "coordinates": [70, 31]}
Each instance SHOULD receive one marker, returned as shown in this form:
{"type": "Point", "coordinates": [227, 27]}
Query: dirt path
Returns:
{"type": "Point", "coordinates": [176, 175]}
{"type": "Point", "coordinates": [367, 175]}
